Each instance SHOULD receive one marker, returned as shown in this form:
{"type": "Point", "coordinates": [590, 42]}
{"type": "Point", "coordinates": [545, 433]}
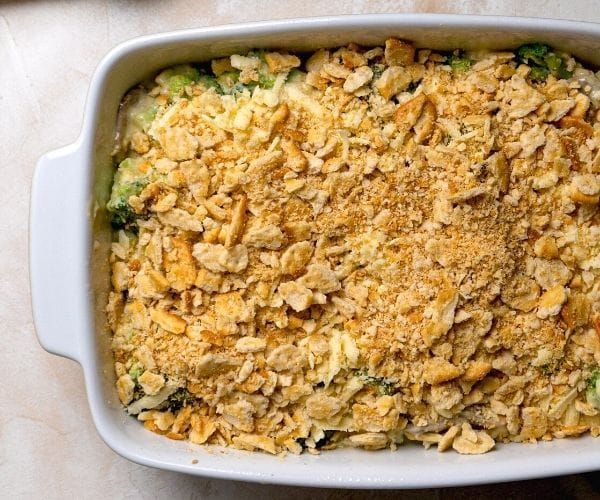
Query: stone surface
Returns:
{"type": "Point", "coordinates": [48, 50]}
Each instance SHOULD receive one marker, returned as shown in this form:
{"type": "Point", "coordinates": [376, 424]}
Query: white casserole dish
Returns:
{"type": "Point", "coordinates": [70, 237]}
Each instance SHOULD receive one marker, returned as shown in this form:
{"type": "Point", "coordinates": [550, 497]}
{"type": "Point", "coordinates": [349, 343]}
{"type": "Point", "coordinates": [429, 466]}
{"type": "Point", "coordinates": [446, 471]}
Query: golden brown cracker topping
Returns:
{"type": "Point", "coordinates": [356, 248]}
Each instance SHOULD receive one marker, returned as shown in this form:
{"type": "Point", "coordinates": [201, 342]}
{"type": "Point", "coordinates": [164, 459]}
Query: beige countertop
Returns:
{"type": "Point", "coordinates": [48, 50]}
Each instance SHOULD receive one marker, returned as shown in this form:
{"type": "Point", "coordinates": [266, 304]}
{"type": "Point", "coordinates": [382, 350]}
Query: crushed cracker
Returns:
{"type": "Point", "coordinates": [358, 248]}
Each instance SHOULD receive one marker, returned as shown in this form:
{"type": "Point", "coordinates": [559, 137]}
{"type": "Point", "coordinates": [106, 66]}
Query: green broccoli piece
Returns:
{"type": "Point", "coordinates": [144, 118]}
{"type": "Point", "coordinates": [557, 66]}
{"type": "Point", "coordinates": [228, 80]}
{"type": "Point", "coordinates": [122, 215]}
{"type": "Point", "coordinates": [295, 75]}
{"type": "Point", "coordinates": [175, 79]}
{"type": "Point", "coordinates": [230, 83]}
{"type": "Point", "coordinates": [592, 393]}
{"type": "Point", "coordinates": [385, 386]}
{"type": "Point", "coordinates": [260, 53]}
{"type": "Point", "coordinates": [129, 181]}
{"type": "Point", "coordinates": [459, 62]}
{"type": "Point", "coordinates": [240, 87]}
{"type": "Point", "coordinates": [178, 83]}
{"type": "Point", "coordinates": [179, 399]}
{"type": "Point", "coordinates": [210, 82]}
{"type": "Point", "coordinates": [266, 80]}
{"type": "Point", "coordinates": [533, 53]}
{"type": "Point", "coordinates": [542, 62]}
{"type": "Point", "coordinates": [377, 70]}
{"type": "Point", "coordinates": [538, 73]}
{"type": "Point", "coordinates": [135, 371]}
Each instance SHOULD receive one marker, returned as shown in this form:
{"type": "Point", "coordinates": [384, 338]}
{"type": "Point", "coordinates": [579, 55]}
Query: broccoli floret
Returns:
{"type": "Point", "coordinates": [557, 66]}
{"type": "Point", "coordinates": [129, 181]}
{"type": "Point", "coordinates": [179, 399]}
{"type": "Point", "coordinates": [230, 83]}
{"type": "Point", "coordinates": [143, 119]}
{"type": "Point", "coordinates": [593, 389]}
{"type": "Point", "coordinates": [459, 62]}
{"type": "Point", "coordinates": [135, 371]}
{"type": "Point", "coordinates": [295, 75]}
{"type": "Point", "coordinates": [228, 80]}
{"type": "Point", "coordinates": [266, 80]}
{"type": "Point", "coordinates": [377, 70]}
{"type": "Point", "coordinates": [178, 83]}
{"type": "Point", "coordinates": [175, 79]}
{"type": "Point", "coordinates": [122, 215]}
{"type": "Point", "coordinates": [260, 53]}
{"type": "Point", "coordinates": [533, 53]}
{"type": "Point", "coordinates": [385, 386]}
{"type": "Point", "coordinates": [539, 73]}
{"type": "Point", "coordinates": [240, 87]}
{"type": "Point", "coordinates": [210, 82]}
{"type": "Point", "coordinates": [542, 62]}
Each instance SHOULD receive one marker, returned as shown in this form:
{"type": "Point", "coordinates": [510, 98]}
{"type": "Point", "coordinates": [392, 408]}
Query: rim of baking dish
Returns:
{"type": "Point", "coordinates": [315, 471]}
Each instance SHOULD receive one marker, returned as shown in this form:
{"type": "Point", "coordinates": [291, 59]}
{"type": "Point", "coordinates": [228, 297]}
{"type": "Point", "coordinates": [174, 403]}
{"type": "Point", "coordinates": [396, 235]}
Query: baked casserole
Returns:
{"type": "Point", "coordinates": [360, 247]}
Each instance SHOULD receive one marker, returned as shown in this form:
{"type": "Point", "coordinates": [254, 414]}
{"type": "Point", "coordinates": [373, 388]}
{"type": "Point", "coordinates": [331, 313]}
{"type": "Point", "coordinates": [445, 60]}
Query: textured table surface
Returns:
{"type": "Point", "coordinates": [48, 50]}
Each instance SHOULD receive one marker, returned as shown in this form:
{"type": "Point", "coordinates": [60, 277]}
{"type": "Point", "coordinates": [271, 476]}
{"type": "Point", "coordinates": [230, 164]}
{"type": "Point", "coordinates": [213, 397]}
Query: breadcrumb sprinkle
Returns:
{"type": "Point", "coordinates": [360, 248]}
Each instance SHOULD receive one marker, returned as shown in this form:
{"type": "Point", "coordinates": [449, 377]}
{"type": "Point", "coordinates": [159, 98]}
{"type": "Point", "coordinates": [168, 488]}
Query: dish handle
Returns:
{"type": "Point", "coordinates": [58, 250]}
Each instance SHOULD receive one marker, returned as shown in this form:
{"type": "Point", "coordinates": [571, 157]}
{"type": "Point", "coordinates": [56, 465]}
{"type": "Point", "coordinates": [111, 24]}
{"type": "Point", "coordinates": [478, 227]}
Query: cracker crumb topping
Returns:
{"type": "Point", "coordinates": [360, 248]}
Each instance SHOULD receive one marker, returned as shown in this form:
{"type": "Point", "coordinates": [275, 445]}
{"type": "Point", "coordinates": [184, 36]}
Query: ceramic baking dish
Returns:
{"type": "Point", "coordinates": [70, 237]}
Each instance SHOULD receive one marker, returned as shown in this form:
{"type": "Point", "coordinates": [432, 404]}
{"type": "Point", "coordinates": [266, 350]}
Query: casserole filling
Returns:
{"type": "Point", "coordinates": [360, 247]}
